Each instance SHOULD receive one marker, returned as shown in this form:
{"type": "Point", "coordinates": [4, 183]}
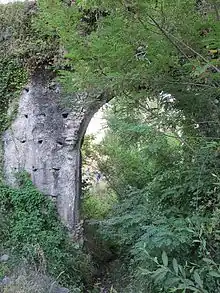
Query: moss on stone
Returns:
{"type": "Point", "coordinates": [12, 79]}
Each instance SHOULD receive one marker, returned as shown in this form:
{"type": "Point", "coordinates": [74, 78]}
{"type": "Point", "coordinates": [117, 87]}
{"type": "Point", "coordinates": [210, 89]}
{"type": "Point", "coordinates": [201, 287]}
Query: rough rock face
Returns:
{"type": "Point", "coordinates": [45, 140]}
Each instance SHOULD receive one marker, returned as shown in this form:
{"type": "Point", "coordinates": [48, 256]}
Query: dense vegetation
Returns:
{"type": "Point", "coordinates": [161, 153]}
{"type": "Point", "coordinates": [160, 61]}
{"type": "Point", "coordinates": [32, 234]}
{"type": "Point", "coordinates": [166, 223]}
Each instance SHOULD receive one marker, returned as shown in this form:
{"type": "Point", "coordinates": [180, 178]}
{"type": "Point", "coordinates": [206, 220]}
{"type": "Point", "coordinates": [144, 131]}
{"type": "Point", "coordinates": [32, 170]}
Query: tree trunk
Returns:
{"type": "Point", "coordinates": [45, 140]}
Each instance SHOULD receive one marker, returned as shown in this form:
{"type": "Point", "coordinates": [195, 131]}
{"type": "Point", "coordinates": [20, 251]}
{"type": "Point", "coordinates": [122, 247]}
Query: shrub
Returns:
{"type": "Point", "coordinates": [35, 232]}
{"type": "Point", "coordinates": [170, 204]}
{"type": "Point", "coordinates": [98, 202]}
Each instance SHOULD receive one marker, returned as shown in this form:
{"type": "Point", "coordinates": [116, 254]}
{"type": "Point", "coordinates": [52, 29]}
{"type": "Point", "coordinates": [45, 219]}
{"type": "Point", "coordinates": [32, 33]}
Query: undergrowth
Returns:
{"type": "Point", "coordinates": [31, 229]}
{"type": "Point", "coordinates": [98, 201]}
{"type": "Point", "coordinates": [165, 227]}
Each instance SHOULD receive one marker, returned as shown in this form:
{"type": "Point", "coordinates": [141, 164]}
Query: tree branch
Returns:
{"type": "Point", "coordinates": [215, 5]}
{"type": "Point", "coordinates": [169, 36]}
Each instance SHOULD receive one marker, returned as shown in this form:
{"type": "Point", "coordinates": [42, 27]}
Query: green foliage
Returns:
{"type": "Point", "coordinates": [137, 154]}
{"type": "Point", "coordinates": [88, 149]}
{"type": "Point", "coordinates": [98, 201]}
{"type": "Point", "coordinates": [34, 232]}
{"type": "Point", "coordinates": [102, 47]}
{"type": "Point", "coordinates": [21, 41]}
{"type": "Point", "coordinates": [188, 278]}
{"type": "Point", "coordinates": [168, 201]}
{"type": "Point", "coordinates": [23, 49]}
{"type": "Point", "coordinates": [4, 269]}
{"type": "Point", "coordinates": [12, 79]}
{"type": "Point", "coordinates": [161, 155]}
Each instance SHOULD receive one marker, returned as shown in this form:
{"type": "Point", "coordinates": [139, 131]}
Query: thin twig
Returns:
{"type": "Point", "coordinates": [195, 52]}
{"type": "Point", "coordinates": [164, 33]}
{"type": "Point", "coordinates": [51, 286]}
{"type": "Point", "coordinates": [216, 10]}
{"type": "Point", "coordinates": [192, 83]}
{"type": "Point", "coordinates": [169, 36]}
{"type": "Point", "coordinates": [177, 136]}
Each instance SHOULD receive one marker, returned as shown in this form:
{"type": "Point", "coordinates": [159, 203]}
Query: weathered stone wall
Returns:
{"type": "Point", "coordinates": [44, 140]}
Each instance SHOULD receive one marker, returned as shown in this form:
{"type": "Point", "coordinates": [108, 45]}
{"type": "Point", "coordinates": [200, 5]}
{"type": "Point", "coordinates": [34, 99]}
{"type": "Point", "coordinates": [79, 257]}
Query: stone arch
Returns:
{"type": "Point", "coordinates": [53, 136]}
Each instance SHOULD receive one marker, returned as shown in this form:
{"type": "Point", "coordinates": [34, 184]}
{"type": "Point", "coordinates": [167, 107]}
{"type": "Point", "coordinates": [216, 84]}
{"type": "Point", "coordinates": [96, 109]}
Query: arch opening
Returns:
{"type": "Point", "coordinates": [97, 197]}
